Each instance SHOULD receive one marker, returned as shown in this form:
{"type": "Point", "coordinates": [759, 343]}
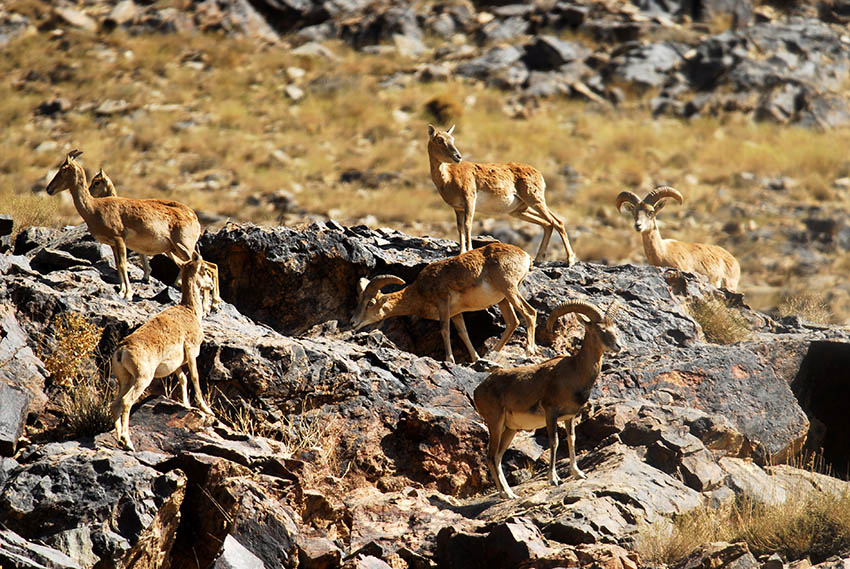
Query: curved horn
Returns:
{"type": "Point", "coordinates": [627, 197]}
{"type": "Point", "coordinates": [74, 153]}
{"type": "Point", "coordinates": [379, 282]}
{"type": "Point", "coordinates": [579, 306]}
{"type": "Point", "coordinates": [612, 310]}
{"type": "Point", "coordinates": [662, 192]}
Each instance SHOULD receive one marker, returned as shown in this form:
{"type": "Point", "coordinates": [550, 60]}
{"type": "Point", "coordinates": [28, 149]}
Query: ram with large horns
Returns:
{"type": "Point", "coordinates": [530, 397]}
{"type": "Point", "coordinates": [713, 261]}
{"type": "Point", "coordinates": [445, 289]}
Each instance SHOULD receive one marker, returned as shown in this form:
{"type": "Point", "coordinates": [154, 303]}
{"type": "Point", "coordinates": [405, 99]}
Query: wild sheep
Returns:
{"type": "Point", "coordinates": [512, 188]}
{"type": "Point", "coordinates": [101, 186]}
{"type": "Point", "coordinates": [713, 261]}
{"type": "Point", "coordinates": [161, 346]}
{"type": "Point", "coordinates": [147, 226]}
{"type": "Point", "coordinates": [529, 397]}
{"type": "Point", "coordinates": [473, 280]}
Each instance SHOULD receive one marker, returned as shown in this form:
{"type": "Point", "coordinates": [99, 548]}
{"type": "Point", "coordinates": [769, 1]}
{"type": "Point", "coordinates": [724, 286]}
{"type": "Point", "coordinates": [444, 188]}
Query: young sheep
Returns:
{"type": "Point", "coordinates": [474, 280]}
{"type": "Point", "coordinates": [512, 188]}
{"type": "Point", "coordinates": [101, 186]}
{"type": "Point", "coordinates": [529, 397]}
{"type": "Point", "coordinates": [161, 346]}
{"type": "Point", "coordinates": [713, 261]}
{"type": "Point", "coordinates": [146, 226]}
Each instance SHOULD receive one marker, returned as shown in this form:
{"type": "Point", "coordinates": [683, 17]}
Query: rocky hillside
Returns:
{"type": "Point", "coordinates": [281, 111]}
{"type": "Point", "coordinates": [360, 449]}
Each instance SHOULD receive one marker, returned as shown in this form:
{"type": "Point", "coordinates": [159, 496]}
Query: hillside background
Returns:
{"type": "Point", "coordinates": [282, 112]}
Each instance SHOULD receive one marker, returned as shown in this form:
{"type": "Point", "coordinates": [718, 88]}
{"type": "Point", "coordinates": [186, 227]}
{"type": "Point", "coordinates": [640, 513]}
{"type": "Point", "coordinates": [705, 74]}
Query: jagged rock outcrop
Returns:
{"type": "Point", "coordinates": [372, 452]}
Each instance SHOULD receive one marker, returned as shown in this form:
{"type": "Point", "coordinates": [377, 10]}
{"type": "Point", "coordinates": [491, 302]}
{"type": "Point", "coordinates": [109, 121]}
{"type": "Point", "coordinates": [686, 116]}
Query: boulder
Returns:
{"type": "Point", "coordinates": [123, 509]}
{"type": "Point", "coordinates": [18, 553]}
{"type": "Point", "coordinates": [546, 53]}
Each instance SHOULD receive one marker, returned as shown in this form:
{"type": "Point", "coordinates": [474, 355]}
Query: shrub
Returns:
{"type": "Point", "coordinates": [808, 524]}
{"type": "Point", "coordinates": [444, 109]}
{"type": "Point", "coordinates": [71, 361]}
{"type": "Point", "coordinates": [721, 323]}
{"type": "Point", "coordinates": [806, 306]}
{"type": "Point", "coordinates": [74, 343]}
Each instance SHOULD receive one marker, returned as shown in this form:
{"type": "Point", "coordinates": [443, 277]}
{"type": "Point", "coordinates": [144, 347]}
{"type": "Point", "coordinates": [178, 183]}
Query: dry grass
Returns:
{"type": "Point", "coordinates": [813, 525]}
{"type": "Point", "coordinates": [70, 359]}
{"type": "Point", "coordinates": [68, 352]}
{"type": "Point", "coordinates": [721, 323]}
{"type": "Point", "coordinates": [809, 307]}
{"type": "Point", "coordinates": [310, 431]}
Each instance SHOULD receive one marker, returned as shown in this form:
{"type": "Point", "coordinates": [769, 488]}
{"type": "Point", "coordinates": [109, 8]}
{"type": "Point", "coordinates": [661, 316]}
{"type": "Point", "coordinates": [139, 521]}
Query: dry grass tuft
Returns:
{"type": "Point", "coordinates": [74, 343]}
{"type": "Point", "coordinates": [721, 323]}
{"type": "Point", "coordinates": [809, 524]}
{"type": "Point", "coordinates": [807, 306]}
{"type": "Point", "coordinates": [311, 431]}
{"type": "Point", "coordinates": [71, 363]}
{"type": "Point", "coordinates": [444, 109]}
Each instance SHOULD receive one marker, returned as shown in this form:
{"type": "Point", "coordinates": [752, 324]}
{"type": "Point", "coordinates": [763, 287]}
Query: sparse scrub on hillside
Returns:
{"type": "Point", "coordinates": [807, 306]}
{"type": "Point", "coordinates": [721, 323]}
{"type": "Point", "coordinates": [808, 524]}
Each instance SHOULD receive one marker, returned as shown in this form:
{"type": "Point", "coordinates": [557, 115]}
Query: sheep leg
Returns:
{"type": "Point", "coordinates": [184, 388]}
{"type": "Point", "coordinates": [552, 431]}
{"type": "Point", "coordinates": [467, 222]}
{"type": "Point", "coordinates": [196, 383]}
{"type": "Point", "coordinates": [125, 274]}
{"type": "Point", "coordinates": [445, 330]}
{"type": "Point", "coordinates": [132, 394]}
{"type": "Point", "coordinates": [500, 439]}
{"type": "Point", "coordinates": [529, 318]}
{"type": "Point", "coordinates": [460, 218]}
{"type": "Point", "coordinates": [146, 267]}
{"type": "Point", "coordinates": [119, 249]}
{"type": "Point", "coordinates": [511, 323]}
{"type": "Point", "coordinates": [553, 221]}
{"type": "Point", "coordinates": [125, 381]}
{"type": "Point", "coordinates": [571, 443]}
{"type": "Point", "coordinates": [461, 329]}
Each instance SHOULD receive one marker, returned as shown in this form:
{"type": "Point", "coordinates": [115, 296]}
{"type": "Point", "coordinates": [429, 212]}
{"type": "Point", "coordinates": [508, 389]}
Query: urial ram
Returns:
{"type": "Point", "coordinates": [713, 261]}
{"type": "Point", "coordinates": [529, 397]}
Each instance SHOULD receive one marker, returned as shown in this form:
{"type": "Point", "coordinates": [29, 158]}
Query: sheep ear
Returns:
{"type": "Point", "coordinates": [583, 319]}
{"type": "Point", "coordinates": [431, 130]}
{"type": "Point", "coordinates": [451, 130]}
{"type": "Point", "coordinates": [361, 285]}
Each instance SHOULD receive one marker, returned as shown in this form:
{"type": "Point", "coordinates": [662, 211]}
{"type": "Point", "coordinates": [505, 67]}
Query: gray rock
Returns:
{"type": "Point", "coordinates": [235, 556]}
{"type": "Point", "coordinates": [647, 65]}
{"type": "Point", "coordinates": [498, 30]}
{"type": "Point", "coordinates": [132, 509]}
{"type": "Point", "coordinates": [14, 404]}
{"type": "Point", "coordinates": [546, 53]}
{"type": "Point", "coordinates": [493, 60]}
{"type": "Point", "coordinates": [18, 553]}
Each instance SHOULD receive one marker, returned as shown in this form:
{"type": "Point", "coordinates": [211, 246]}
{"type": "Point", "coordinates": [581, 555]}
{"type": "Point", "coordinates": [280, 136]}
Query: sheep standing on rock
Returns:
{"type": "Point", "coordinates": [529, 397]}
{"type": "Point", "coordinates": [163, 345]}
